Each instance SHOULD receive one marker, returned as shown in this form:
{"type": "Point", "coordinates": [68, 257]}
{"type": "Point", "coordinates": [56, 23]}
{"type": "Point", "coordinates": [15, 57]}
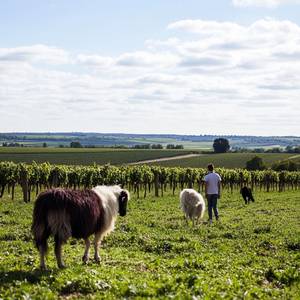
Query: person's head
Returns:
{"type": "Point", "coordinates": [210, 167]}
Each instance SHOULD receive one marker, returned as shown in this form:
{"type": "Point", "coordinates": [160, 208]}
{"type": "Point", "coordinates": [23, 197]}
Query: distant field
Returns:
{"type": "Point", "coordinates": [83, 156]}
{"type": "Point", "coordinates": [227, 160]}
{"type": "Point", "coordinates": [35, 139]}
{"type": "Point", "coordinates": [186, 144]}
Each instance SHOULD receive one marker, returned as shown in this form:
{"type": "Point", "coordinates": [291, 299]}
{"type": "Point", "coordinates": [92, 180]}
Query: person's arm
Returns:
{"type": "Point", "coordinates": [205, 185]}
{"type": "Point", "coordinates": [219, 189]}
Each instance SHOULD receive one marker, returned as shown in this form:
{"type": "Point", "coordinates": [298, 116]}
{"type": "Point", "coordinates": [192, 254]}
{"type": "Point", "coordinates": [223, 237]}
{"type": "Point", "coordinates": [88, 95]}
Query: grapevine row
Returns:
{"type": "Point", "coordinates": [138, 179]}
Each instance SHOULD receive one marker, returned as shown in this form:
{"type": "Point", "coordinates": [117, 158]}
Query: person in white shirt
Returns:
{"type": "Point", "coordinates": [212, 191]}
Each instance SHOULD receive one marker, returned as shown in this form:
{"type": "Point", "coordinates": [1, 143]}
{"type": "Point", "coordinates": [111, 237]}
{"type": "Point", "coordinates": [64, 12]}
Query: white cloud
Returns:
{"type": "Point", "coordinates": [146, 59]}
{"type": "Point", "coordinates": [207, 77]}
{"type": "Point", "coordinates": [35, 53]}
{"type": "Point", "coordinates": [136, 59]}
{"type": "Point", "coordinates": [263, 3]}
{"type": "Point", "coordinates": [95, 60]}
{"type": "Point", "coordinates": [206, 27]}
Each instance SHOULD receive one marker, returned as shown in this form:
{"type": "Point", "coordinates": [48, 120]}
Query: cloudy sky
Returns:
{"type": "Point", "coordinates": [159, 66]}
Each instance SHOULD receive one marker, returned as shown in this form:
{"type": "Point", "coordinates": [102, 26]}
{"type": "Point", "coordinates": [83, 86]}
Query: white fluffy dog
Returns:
{"type": "Point", "coordinates": [192, 204]}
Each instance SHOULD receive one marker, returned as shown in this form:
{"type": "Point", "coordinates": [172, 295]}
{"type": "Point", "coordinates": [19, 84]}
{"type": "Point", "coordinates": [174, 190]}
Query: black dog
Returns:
{"type": "Point", "coordinates": [247, 194]}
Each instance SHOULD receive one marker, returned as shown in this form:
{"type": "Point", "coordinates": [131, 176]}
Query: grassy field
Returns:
{"type": "Point", "coordinates": [252, 253]}
{"type": "Point", "coordinates": [101, 156]}
{"type": "Point", "coordinates": [226, 160]}
{"type": "Point", "coordinates": [83, 156]}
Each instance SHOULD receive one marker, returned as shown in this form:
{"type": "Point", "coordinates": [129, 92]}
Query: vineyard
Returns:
{"type": "Point", "coordinates": [140, 180]}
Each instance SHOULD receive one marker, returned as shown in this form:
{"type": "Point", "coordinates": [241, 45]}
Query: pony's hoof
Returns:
{"type": "Point", "coordinates": [85, 259]}
{"type": "Point", "coordinates": [61, 266]}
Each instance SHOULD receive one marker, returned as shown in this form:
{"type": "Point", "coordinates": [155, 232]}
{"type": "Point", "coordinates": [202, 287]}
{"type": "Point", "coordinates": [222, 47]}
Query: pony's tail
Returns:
{"type": "Point", "coordinates": [40, 228]}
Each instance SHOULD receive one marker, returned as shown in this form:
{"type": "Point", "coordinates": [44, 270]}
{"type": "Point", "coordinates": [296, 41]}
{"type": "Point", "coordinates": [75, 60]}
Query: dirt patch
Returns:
{"type": "Point", "coordinates": [164, 159]}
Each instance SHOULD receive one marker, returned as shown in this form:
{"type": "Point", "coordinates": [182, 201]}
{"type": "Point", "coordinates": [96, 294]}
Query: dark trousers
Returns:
{"type": "Point", "coordinates": [212, 201]}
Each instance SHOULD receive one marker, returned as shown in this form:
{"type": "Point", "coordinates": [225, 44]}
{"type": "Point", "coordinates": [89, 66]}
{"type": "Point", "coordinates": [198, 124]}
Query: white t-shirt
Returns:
{"type": "Point", "coordinates": [212, 179]}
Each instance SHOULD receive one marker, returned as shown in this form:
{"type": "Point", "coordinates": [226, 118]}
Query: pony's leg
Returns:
{"type": "Point", "coordinates": [58, 252]}
{"type": "Point", "coordinates": [185, 219]}
{"type": "Point", "coordinates": [97, 242]}
{"type": "Point", "coordinates": [85, 257]}
{"type": "Point", "coordinates": [41, 237]}
{"type": "Point", "coordinates": [43, 250]}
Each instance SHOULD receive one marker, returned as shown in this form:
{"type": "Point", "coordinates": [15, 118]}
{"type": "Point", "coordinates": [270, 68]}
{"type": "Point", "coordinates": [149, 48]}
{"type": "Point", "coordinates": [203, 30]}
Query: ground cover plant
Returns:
{"type": "Point", "coordinates": [253, 252]}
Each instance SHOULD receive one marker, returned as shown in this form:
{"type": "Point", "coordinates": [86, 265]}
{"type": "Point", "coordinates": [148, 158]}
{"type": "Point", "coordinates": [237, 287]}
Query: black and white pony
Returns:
{"type": "Point", "coordinates": [66, 213]}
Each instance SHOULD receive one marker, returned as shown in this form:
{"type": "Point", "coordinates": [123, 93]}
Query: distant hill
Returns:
{"type": "Point", "coordinates": [113, 139]}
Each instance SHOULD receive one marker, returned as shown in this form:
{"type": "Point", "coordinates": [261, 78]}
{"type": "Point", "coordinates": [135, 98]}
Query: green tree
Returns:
{"type": "Point", "coordinates": [142, 146]}
{"type": "Point", "coordinates": [75, 145]}
{"type": "Point", "coordinates": [157, 146]}
{"type": "Point", "coordinates": [221, 145]}
{"type": "Point", "coordinates": [255, 163]}
{"type": "Point", "coordinates": [170, 146]}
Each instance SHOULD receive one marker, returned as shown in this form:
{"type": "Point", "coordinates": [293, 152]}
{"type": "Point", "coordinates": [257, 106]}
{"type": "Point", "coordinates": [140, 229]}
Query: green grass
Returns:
{"type": "Point", "coordinates": [83, 156]}
{"type": "Point", "coordinates": [252, 253]}
{"type": "Point", "coordinates": [226, 160]}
